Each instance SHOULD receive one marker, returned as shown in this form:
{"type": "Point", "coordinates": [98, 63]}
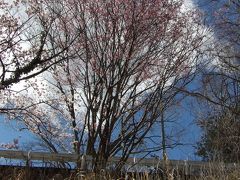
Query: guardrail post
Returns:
{"type": "Point", "coordinates": [83, 166]}
{"type": "Point", "coordinates": [28, 164]}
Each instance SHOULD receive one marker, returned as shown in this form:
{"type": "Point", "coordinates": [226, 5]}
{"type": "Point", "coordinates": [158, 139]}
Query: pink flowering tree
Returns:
{"type": "Point", "coordinates": [12, 145]}
{"type": "Point", "coordinates": [31, 39]}
{"type": "Point", "coordinates": [128, 59]}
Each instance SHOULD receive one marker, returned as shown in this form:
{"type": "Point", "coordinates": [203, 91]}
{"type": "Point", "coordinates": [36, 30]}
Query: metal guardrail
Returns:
{"type": "Point", "coordinates": [190, 167]}
{"type": "Point", "coordinates": [44, 156]}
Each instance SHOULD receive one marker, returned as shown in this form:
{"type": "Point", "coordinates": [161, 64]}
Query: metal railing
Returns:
{"type": "Point", "coordinates": [189, 167]}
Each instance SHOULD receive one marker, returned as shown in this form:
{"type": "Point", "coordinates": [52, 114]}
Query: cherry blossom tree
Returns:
{"type": "Point", "coordinates": [128, 59]}
{"type": "Point", "coordinates": [31, 39]}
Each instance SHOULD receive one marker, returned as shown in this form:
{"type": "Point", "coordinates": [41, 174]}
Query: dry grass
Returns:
{"type": "Point", "coordinates": [214, 172]}
{"type": "Point", "coordinates": [220, 172]}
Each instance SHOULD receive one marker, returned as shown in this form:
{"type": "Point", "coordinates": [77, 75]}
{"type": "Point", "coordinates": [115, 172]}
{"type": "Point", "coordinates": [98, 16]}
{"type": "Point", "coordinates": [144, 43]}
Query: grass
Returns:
{"type": "Point", "coordinates": [213, 172]}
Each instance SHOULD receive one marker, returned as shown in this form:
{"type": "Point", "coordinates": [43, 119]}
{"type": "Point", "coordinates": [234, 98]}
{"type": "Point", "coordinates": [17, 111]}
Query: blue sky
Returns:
{"type": "Point", "coordinates": [9, 132]}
